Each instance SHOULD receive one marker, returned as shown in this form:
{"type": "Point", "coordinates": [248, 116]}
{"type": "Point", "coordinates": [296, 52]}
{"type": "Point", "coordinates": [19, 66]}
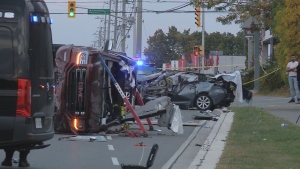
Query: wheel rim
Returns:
{"type": "Point", "coordinates": [127, 94]}
{"type": "Point", "coordinates": [203, 102]}
{"type": "Point", "coordinates": [162, 83]}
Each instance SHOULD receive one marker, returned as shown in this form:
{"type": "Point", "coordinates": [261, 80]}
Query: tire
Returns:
{"type": "Point", "coordinates": [203, 102]}
{"type": "Point", "coordinates": [163, 83]}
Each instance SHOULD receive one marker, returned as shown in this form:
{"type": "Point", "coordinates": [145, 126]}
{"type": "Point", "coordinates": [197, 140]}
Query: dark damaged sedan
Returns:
{"type": "Point", "coordinates": [205, 92]}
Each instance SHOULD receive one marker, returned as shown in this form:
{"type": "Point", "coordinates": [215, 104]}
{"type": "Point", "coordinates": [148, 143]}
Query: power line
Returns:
{"type": "Point", "coordinates": [86, 2]}
{"type": "Point", "coordinates": [151, 11]}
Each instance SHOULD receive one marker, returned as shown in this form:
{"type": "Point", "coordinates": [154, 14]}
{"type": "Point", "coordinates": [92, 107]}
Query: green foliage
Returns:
{"type": "Point", "coordinates": [164, 47]}
{"type": "Point", "coordinates": [287, 31]}
{"type": "Point", "coordinates": [271, 78]}
{"type": "Point", "coordinates": [274, 80]}
{"type": "Point", "coordinates": [239, 11]}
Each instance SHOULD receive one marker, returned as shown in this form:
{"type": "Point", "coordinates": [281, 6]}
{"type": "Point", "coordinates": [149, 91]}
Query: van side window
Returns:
{"type": "Point", "coordinates": [6, 51]}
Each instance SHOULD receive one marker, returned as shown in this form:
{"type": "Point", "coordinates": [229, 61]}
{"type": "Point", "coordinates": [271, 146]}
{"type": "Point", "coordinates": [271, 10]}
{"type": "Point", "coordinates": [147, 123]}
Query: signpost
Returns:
{"type": "Point", "coordinates": [98, 11]}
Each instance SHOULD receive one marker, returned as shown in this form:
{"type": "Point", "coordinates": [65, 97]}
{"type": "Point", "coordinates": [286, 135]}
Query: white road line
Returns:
{"type": "Point", "coordinates": [115, 161]}
{"type": "Point", "coordinates": [108, 138]}
{"type": "Point", "coordinates": [110, 147]}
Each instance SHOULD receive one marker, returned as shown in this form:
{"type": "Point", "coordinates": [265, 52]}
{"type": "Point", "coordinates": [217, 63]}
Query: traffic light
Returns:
{"type": "Point", "coordinates": [196, 51]}
{"type": "Point", "coordinates": [71, 9]}
{"type": "Point", "coordinates": [201, 50]}
{"type": "Point", "coordinates": [197, 13]}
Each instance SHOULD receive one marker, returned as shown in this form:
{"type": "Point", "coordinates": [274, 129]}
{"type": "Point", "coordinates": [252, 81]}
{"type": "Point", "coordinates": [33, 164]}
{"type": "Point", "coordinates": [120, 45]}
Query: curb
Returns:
{"type": "Point", "coordinates": [211, 151]}
{"type": "Point", "coordinates": [173, 159]}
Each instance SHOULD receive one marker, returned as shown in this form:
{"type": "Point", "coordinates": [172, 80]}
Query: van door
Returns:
{"type": "Point", "coordinates": [42, 77]}
{"type": "Point", "coordinates": [8, 85]}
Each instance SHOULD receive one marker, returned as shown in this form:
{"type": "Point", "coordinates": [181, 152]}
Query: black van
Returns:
{"type": "Point", "coordinates": [26, 74]}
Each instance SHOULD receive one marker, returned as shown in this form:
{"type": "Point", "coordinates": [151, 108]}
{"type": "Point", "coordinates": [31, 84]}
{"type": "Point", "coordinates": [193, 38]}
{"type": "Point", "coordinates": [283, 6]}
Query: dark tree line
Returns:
{"type": "Point", "coordinates": [172, 45]}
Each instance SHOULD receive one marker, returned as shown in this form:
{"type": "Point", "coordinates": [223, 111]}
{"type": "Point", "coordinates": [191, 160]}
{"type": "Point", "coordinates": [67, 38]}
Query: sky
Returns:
{"type": "Point", "coordinates": [81, 30]}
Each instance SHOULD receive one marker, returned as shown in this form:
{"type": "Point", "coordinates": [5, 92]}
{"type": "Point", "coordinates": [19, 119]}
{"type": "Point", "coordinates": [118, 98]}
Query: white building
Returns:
{"type": "Point", "coordinates": [230, 64]}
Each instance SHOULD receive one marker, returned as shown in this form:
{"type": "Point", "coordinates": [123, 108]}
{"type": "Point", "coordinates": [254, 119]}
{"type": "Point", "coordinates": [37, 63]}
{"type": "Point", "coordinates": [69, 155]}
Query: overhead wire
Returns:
{"type": "Point", "coordinates": [104, 1]}
{"type": "Point", "coordinates": [133, 8]}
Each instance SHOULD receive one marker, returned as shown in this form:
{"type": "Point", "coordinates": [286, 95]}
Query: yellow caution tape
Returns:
{"type": "Point", "coordinates": [201, 67]}
{"type": "Point", "coordinates": [262, 76]}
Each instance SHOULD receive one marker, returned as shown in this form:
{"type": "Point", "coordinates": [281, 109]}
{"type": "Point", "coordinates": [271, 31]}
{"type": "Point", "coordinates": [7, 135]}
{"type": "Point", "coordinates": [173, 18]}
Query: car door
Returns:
{"type": "Point", "coordinates": [184, 93]}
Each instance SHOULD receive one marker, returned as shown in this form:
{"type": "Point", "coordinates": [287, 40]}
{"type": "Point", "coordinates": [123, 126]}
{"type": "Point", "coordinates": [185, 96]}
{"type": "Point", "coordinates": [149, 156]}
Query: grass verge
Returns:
{"type": "Point", "coordinates": [257, 141]}
{"type": "Point", "coordinates": [282, 92]}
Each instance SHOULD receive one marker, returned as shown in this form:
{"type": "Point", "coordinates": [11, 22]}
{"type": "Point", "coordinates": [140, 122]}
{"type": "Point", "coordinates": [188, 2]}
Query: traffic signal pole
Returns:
{"type": "Point", "coordinates": [139, 28]}
{"type": "Point", "coordinates": [124, 20]}
{"type": "Point", "coordinates": [203, 33]}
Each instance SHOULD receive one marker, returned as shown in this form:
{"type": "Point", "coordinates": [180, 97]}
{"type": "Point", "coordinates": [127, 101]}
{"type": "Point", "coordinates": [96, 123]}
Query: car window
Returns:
{"type": "Point", "coordinates": [145, 70]}
{"type": "Point", "coordinates": [6, 51]}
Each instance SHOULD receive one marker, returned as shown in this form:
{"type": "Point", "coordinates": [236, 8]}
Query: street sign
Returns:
{"type": "Point", "coordinates": [98, 11]}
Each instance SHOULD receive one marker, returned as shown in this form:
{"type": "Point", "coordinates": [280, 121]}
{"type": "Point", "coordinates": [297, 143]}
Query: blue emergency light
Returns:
{"type": "Point", "coordinates": [139, 63]}
{"type": "Point", "coordinates": [34, 19]}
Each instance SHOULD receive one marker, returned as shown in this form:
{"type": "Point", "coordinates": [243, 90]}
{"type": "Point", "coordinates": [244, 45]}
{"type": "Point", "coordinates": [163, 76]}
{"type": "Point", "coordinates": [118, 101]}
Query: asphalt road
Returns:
{"type": "Point", "coordinates": [114, 150]}
{"type": "Point", "coordinates": [80, 153]}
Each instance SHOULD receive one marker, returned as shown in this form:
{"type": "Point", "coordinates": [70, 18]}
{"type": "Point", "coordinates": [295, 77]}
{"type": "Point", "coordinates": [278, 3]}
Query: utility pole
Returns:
{"type": "Point", "coordinates": [109, 19]}
{"type": "Point", "coordinates": [250, 45]}
{"type": "Point", "coordinates": [139, 29]}
{"type": "Point", "coordinates": [256, 60]}
{"type": "Point", "coordinates": [134, 31]}
{"type": "Point", "coordinates": [100, 37]}
{"type": "Point", "coordinates": [123, 26]}
{"type": "Point", "coordinates": [104, 35]}
{"type": "Point", "coordinates": [203, 34]}
{"type": "Point", "coordinates": [116, 25]}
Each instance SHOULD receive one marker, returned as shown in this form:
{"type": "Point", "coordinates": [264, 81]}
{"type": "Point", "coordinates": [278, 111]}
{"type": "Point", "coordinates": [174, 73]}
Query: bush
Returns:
{"type": "Point", "coordinates": [270, 82]}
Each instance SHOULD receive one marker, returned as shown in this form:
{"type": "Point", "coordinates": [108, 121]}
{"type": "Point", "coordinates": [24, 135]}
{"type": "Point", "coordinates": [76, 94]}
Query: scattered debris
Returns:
{"type": "Point", "coordinates": [284, 125]}
{"type": "Point", "coordinates": [84, 138]}
{"type": "Point", "coordinates": [140, 144]}
{"type": "Point", "coordinates": [130, 134]}
{"type": "Point", "coordinates": [202, 117]}
{"type": "Point", "coordinates": [206, 126]}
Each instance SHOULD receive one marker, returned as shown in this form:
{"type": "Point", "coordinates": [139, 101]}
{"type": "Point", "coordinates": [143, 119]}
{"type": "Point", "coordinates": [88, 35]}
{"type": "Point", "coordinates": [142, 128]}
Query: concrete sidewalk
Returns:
{"type": "Point", "coordinates": [212, 149]}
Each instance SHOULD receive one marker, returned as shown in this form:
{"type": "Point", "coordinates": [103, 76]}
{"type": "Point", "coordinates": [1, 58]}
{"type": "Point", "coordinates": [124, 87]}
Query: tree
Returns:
{"type": "Point", "coordinates": [158, 49]}
{"type": "Point", "coordinates": [173, 40]}
{"type": "Point", "coordinates": [239, 11]}
{"type": "Point", "coordinates": [164, 47]}
{"type": "Point", "coordinates": [287, 30]}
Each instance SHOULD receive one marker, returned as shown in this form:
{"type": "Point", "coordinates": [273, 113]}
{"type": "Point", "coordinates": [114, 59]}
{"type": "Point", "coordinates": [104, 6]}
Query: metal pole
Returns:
{"type": "Point", "coordinates": [134, 32]}
{"type": "Point", "coordinates": [123, 26]}
{"type": "Point", "coordinates": [116, 25]}
{"type": "Point", "coordinates": [109, 19]}
{"type": "Point", "coordinates": [203, 34]}
{"type": "Point", "coordinates": [104, 35]}
{"type": "Point", "coordinates": [139, 29]}
{"type": "Point", "coordinates": [250, 50]}
{"type": "Point", "coordinates": [256, 60]}
{"type": "Point", "coordinates": [128, 104]}
{"type": "Point", "coordinates": [100, 37]}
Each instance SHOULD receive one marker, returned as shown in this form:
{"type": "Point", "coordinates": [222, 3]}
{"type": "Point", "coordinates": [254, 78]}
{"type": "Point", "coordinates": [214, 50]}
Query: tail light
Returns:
{"type": "Point", "coordinates": [24, 98]}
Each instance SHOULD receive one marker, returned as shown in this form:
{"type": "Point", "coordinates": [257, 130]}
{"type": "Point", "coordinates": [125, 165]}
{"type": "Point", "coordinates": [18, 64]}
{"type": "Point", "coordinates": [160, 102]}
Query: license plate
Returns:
{"type": "Point", "coordinates": [38, 123]}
